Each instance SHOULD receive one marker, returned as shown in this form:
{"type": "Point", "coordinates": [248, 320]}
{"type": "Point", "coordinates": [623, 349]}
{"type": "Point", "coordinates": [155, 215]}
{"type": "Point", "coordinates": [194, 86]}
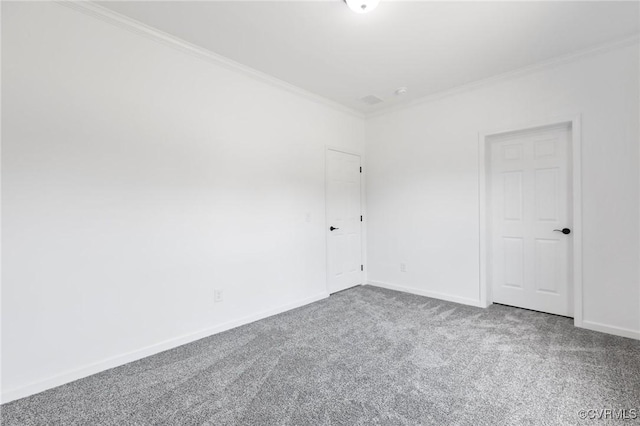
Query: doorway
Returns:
{"type": "Point", "coordinates": [528, 197]}
{"type": "Point", "coordinates": [344, 220]}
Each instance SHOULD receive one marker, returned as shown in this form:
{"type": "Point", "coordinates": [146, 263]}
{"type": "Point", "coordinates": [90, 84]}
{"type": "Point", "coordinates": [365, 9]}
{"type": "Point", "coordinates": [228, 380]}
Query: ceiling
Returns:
{"type": "Point", "coordinates": [427, 46]}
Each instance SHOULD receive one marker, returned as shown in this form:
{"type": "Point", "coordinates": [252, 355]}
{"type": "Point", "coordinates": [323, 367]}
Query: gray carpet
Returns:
{"type": "Point", "coordinates": [364, 356]}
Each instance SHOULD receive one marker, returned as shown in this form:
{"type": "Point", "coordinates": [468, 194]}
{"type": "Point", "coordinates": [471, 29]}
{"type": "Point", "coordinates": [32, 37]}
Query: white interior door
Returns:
{"type": "Point", "coordinates": [529, 202]}
{"type": "Point", "coordinates": [344, 233]}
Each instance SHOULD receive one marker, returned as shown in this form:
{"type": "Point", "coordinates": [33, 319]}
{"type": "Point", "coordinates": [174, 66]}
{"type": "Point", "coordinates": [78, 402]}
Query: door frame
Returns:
{"type": "Point", "coordinates": [363, 237]}
{"type": "Point", "coordinates": [576, 202]}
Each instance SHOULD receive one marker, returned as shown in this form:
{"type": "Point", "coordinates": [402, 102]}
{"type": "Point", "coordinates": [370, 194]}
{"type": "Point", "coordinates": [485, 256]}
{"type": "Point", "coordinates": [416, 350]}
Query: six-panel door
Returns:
{"type": "Point", "coordinates": [344, 249]}
{"type": "Point", "coordinates": [529, 203]}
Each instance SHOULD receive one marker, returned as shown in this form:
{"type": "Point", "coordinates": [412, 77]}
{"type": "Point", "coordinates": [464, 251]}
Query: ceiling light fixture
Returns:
{"type": "Point", "coordinates": [362, 6]}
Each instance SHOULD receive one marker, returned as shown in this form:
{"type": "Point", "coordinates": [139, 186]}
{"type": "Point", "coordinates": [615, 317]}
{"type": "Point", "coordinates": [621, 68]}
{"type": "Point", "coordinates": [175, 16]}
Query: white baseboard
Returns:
{"type": "Point", "coordinates": [432, 294]}
{"type": "Point", "coordinates": [589, 325]}
{"type": "Point", "coordinates": [118, 360]}
{"type": "Point", "coordinates": [610, 329]}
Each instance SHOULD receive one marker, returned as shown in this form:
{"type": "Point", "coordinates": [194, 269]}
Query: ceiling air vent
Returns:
{"type": "Point", "coordinates": [371, 100]}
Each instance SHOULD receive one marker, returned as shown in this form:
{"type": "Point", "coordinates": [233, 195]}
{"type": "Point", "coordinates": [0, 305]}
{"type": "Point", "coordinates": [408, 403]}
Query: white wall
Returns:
{"type": "Point", "coordinates": [422, 180]}
{"type": "Point", "coordinates": [136, 179]}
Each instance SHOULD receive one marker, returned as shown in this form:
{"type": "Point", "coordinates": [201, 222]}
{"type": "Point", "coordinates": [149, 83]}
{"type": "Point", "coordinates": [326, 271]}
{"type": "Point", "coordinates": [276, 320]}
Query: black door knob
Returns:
{"type": "Point", "coordinates": [565, 231]}
{"type": "Point", "coordinates": [332, 228]}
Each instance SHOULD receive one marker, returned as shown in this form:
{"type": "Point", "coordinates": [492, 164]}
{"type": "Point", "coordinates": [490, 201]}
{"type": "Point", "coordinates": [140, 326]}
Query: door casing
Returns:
{"type": "Point", "coordinates": [576, 203]}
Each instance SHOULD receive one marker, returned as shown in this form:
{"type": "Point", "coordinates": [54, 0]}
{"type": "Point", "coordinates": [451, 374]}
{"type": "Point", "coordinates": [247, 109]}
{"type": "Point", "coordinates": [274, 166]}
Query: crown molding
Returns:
{"type": "Point", "coordinates": [510, 75]}
{"type": "Point", "coordinates": [124, 22]}
{"type": "Point", "coordinates": [104, 14]}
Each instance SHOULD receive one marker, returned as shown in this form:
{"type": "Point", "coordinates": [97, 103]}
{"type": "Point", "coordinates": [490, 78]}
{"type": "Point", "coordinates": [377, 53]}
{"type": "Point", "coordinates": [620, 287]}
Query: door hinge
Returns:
{"type": "Point", "coordinates": [362, 267]}
{"type": "Point", "coordinates": [360, 169]}
{"type": "Point", "coordinates": [360, 218]}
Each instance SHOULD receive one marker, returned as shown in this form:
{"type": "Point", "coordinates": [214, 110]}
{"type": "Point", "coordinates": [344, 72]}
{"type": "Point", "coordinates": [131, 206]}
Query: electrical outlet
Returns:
{"type": "Point", "coordinates": [218, 296]}
{"type": "Point", "coordinates": [403, 267]}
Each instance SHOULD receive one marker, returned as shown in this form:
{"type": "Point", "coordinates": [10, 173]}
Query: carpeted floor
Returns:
{"type": "Point", "coordinates": [364, 356]}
